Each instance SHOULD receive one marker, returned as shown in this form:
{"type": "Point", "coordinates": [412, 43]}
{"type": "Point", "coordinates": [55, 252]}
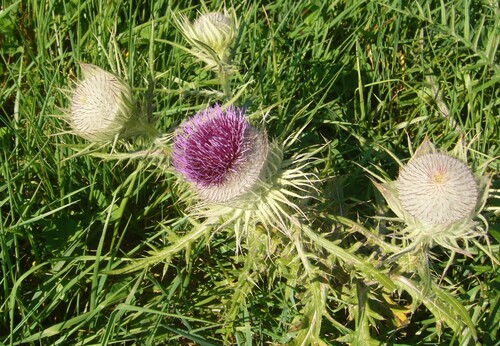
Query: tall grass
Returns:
{"type": "Point", "coordinates": [95, 245]}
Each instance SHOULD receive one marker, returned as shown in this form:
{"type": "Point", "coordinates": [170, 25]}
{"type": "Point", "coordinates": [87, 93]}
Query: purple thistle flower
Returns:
{"type": "Point", "coordinates": [220, 153]}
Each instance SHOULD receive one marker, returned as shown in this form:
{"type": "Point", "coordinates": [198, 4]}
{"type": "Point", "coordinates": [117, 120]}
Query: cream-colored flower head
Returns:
{"type": "Point", "coordinates": [211, 36]}
{"type": "Point", "coordinates": [437, 188]}
{"type": "Point", "coordinates": [101, 105]}
{"type": "Point", "coordinates": [437, 196]}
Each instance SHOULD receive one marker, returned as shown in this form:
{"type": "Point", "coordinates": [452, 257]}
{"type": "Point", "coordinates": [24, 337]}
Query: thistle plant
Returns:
{"type": "Point", "coordinates": [231, 177]}
{"type": "Point", "coordinates": [235, 175]}
{"type": "Point", "coordinates": [211, 36]}
{"type": "Point", "coordinates": [238, 181]}
{"type": "Point", "coordinates": [437, 196]}
{"type": "Point", "coordinates": [102, 107]}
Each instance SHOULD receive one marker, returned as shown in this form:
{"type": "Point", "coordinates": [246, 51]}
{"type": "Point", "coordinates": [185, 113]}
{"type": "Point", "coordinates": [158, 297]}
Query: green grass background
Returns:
{"type": "Point", "coordinates": [368, 78]}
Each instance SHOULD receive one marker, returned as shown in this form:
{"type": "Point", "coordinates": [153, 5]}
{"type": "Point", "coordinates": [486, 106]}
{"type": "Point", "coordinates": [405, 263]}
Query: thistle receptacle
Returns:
{"type": "Point", "coordinates": [102, 107]}
{"type": "Point", "coordinates": [237, 176]}
{"type": "Point", "coordinates": [437, 196]}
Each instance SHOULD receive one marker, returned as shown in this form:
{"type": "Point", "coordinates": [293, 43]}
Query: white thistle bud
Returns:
{"type": "Point", "coordinates": [437, 188]}
{"type": "Point", "coordinates": [211, 35]}
{"type": "Point", "coordinates": [437, 196]}
{"type": "Point", "coordinates": [101, 105]}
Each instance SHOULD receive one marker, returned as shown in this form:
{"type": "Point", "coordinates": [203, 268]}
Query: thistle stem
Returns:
{"type": "Point", "coordinates": [224, 79]}
{"type": "Point", "coordinates": [145, 127]}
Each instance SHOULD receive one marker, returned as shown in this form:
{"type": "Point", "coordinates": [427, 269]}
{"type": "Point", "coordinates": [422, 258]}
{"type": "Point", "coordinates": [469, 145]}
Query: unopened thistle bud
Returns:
{"type": "Point", "coordinates": [102, 106]}
{"type": "Point", "coordinates": [211, 36]}
{"type": "Point", "coordinates": [437, 196]}
{"type": "Point", "coordinates": [437, 188]}
{"type": "Point", "coordinates": [238, 176]}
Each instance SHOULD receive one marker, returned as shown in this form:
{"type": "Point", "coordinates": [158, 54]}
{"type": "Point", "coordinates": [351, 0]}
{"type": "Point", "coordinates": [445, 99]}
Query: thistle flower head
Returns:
{"type": "Point", "coordinates": [220, 153]}
{"type": "Point", "coordinates": [239, 178]}
{"type": "Point", "coordinates": [211, 35]}
{"type": "Point", "coordinates": [438, 189]}
{"type": "Point", "coordinates": [216, 30]}
{"type": "Point", "coordinates": [437, 196]}
{"type": "Point", "coordinates": [101, 105]}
